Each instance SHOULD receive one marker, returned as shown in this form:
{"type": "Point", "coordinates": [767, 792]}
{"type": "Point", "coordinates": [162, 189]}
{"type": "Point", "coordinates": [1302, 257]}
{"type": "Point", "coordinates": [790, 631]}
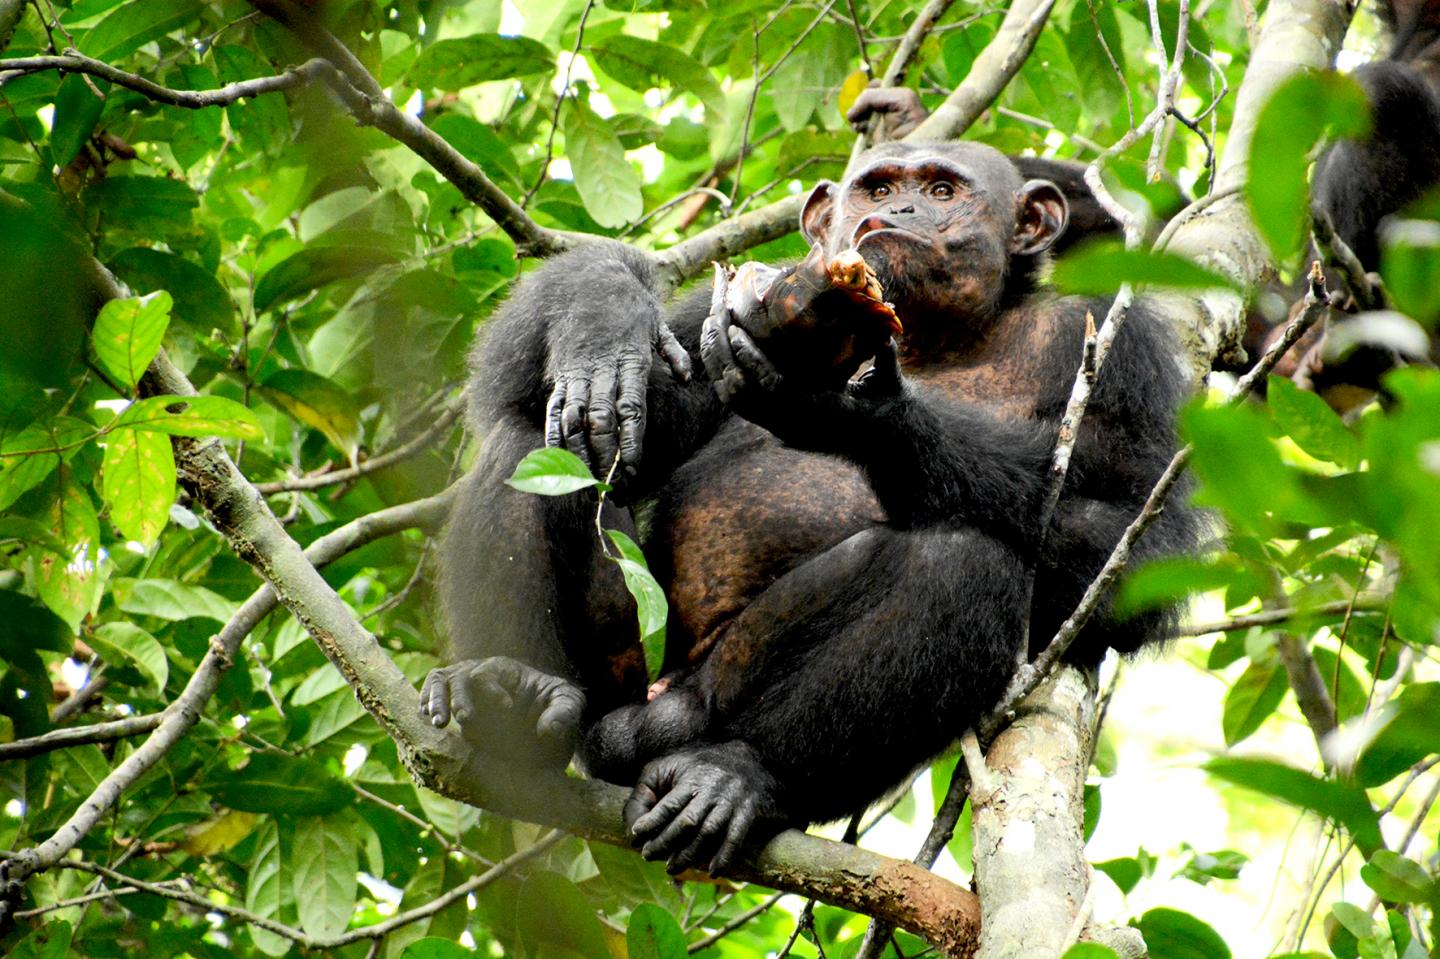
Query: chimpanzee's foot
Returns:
{"type": "Point", "coordinates": [502, 704]}
{"type": "Point", "coordinates": [694, 808]}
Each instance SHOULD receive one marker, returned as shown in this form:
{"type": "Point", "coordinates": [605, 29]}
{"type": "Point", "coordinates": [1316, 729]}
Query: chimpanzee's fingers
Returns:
{"type": "Point", "coordinates": [496, 680]}
{"type": "Point", "coordinates": [752, 360]}
{"type": "Point", "coordinates": [666, 809]}
{"type": "Point", "coordinates": [601, 421]}
{"type": "Point", "coordinates": [719, 288]}
{"type": "Point", "coordinates": [713, 825]}
{"type": "Point", "coordinates": [630, 408]}
{"type": "Point", "coordinates": [678, 833]}
{"type": "Point", "coordinates": [434, 698]}
{"type": "Point", "coordinates": [739, 826]}
{"type": "Point", "coordinates": [883, 378]}
{"type": "Point", "coordinates": [672, 352]}
{"type": "Point", "coordinates": [573, 419]}
{"type": "Point", "coordinates": [642, 799]}
{"type": "Point", "coordinates": [561, 717]}
{"type": "Point", "coordinates": [460, 691]}
{"type": "Point", "coordinates": [554, 433]}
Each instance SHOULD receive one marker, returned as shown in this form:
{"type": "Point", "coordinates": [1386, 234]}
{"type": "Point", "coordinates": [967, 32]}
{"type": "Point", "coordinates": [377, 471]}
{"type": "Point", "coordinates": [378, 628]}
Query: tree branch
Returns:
{"type": "Point", "coordinates": [79, 736]}
{"type": "Point", "coordinates": [73, 61]}
{"type": "Point", "coordinates": [1270, 617]}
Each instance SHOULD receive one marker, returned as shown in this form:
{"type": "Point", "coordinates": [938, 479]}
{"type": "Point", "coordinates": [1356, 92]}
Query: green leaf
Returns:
{"type": "Point", "coordinates": [1205, 866]}
{"type": "Point", "coordinates": [1090, 950]}
{"type": "Point", "coordinates": [810, 74]}
{"type": "Point", "coordinates": [141, 201]}
{"type": "Point", "coordinates": [1172, 934]}
{"type": "Point", "coordinates": [127, 335]}
{"type": "Point", "coordinates": [480, 145]}
{"type": "Point", "coordinates": [200, 300]}
{"type": "Point", "coordinates": [1409, 258]}
{"type": "Point", "coordinates": [1405, 739]}
{"type": "Point", "coordinates": [1396, 878]}
{"type": "Point", "coordinates": [269, 891]}
{"type": "Point", "coordinates": [127, 644]}
{"type": "Point", "coordinates": [190, 416]}
{"type": "Point", "coordinates": [30, 627]}
{"type": "Point", "coordinates": [551, 911]}
{"type": "Point", "coordinates": [552, 472]}
{"type": "Point", "coordinates": [1099, 268]}
{"type": "Point", "coordinates": [169, 600]}
{"type": "Point", "coordinates": [432, 947]}
{"type": "Point", "coordinates": [70, 584]}
{"type": "Point", "coordinates": [642, 64]}
{"type": "Point", "coordinates": [279, 783]}
{"type": "Point", "coordinates": [1343, 803]}
{"type": "Point", "coordinates": [50, 941]}
{"type": "Point", "coordinates": [314, 267]}
{"type": "Point", "coordinates": [326, 867]}
{"type": "Point", "coordinates": [459, 63]}
{"type": "Point", "coordinates": [1252, 699]}
{"type": "Point", "coordinates": [1128, 871]}
{"type": "Point", "coordinates": [22, 468]}
{"type": "Point", "coordinates": [138, 483]}
{"type": "Point", "coordinates": [78, 106]}
{"type": "Point", "coordinates": [654, 934]}
{"type": "Point", "coordinates": [1302, 110]}
{"type": "Point", "coordinates": [133, 24]}
{"type": "Point", "coordinates": [1311, 423]}
{"type": "Point", "coordinates": [608, 185]}
{"type": "Point", "coordinates": [318, 402]}
{"type": "Point", "coordinates": [650, 604]}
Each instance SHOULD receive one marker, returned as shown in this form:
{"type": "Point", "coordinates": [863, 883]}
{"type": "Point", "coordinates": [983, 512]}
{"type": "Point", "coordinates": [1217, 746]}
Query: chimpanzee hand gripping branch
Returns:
{"type": "Point", "coordinates": [845, 557]}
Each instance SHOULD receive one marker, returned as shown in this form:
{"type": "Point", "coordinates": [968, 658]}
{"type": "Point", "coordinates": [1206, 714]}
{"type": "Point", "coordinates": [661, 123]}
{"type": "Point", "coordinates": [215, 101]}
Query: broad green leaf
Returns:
{"type": "Point", "coordinates": [269, 889]}
{"type": "Point", "coordinates": [552, 472]}
{"type": "Point", "coordinates": [1127, 872]}
{"type": "Point", "coordinates": [650, 604]}
{"type": "Point", "coordinates": [1406, 738]}
{"type": "Point", "coordinates": [1409, 259]}
{"type": "Point", "coordinates": [139, 483]}
{"type": "Point", "coordinates": [1100, 267]}
{"type": "Point", "coordinates": [654, 934]}
{"type": "Point", "coordinates": [642, 64]}
{"type": "Point", "coordinates": [1172, 934]}
{"type": "Point", "coordinates": [277, 783]}
{"type": "Point", "coordinates": [1241, 468]}
{"type": "Point", "coordinates": [450, 816]}
{"type": "Point", "coordinates": [190, 416]}
{"type": "Point", "coordinates": [326, 869]}
{"type": "Point", "coordinates": [127, 335]}
{"type": "Point", "coordinates": [1311, 423]}
{"type": "Point", "coordinates": [30, 627]}
{"type": "Point", "coordinates": [1299, 113]}
{"type": "Point", "coordinates": [23, 530]}
{"type": "Point", "coordinates": [314, 267]}
{"type": "Point", "coordinates": [200, 300]}
{"type": "Point", "coordinates": [318, 402]}
{"type": "Point", "coordinates": [432, 947]}
{"type": "Point", "coordinates": [479, 144]}
{"type": "Point", "coordinates": [77, 107]}
{"type": "Point", "coordinates": [127, 644]}
{"type": "Point", "coordinates": [459, 63]}
{"type": "Point", "coordinates": [1343, 803]}
{"type": "Point", "coordinates": [171, 600]}
{"type": "Point", "coordinates": [71, 584]}
{"type": "Point", "coordinates": [608, 185]}
{"type": "Point", "coordinates": [552, 912]}
{"type": "Point", "coordinates": [220, 833]}
{"type": "Point", "coordinates": [50, 941]}
{"type": "Point", "coordinates": [1251, 700]}
{"type": "Point", "coordinates": [336, 712]}
{"type": "Point", "coordinates": [135, 23]}
{"type": "Point", "coordinates": [1396, 878]}
{"type": "Point", "coordinates": [22, 464]}
{"type": "Point", "coordinates": [141, 201]}
{"type": "Point", "coordinates": [810, 75]}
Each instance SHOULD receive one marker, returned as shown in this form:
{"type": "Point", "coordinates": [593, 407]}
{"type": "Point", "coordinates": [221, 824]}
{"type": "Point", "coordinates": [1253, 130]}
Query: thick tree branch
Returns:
{"type": "Point", "coordinates": [74, 62]}
{"type": "Point", "coordinates": [79, 736]}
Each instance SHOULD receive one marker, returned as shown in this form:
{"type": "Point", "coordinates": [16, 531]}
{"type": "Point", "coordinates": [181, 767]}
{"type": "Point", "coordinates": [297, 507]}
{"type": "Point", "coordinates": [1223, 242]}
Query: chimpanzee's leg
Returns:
{"type": "Point", "coordinates": [845, 675]}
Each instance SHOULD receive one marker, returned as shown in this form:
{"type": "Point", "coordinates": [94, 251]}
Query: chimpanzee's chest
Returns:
{"type": "Point", "coordinates": [739, 515]}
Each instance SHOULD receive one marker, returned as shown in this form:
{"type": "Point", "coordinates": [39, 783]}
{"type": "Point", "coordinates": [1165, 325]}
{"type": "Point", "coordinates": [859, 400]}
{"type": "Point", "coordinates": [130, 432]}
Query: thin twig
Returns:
{"type": "Point", "coordinates": [1371, 603]}
{"type": "Point", "coordinates": [72, 61]}
{"type": "Point", "coordinates": [559, 102]}
{"type": "Point", "coordinates": [729, 927]}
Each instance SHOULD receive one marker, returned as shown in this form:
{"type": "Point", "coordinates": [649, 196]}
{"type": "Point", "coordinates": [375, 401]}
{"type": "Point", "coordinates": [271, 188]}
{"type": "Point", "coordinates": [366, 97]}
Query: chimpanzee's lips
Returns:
{"type": "Point", "coordinates": [879, 226]}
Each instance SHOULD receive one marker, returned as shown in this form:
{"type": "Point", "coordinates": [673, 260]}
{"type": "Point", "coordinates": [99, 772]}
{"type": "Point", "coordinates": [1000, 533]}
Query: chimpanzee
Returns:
{"type": "Point", "coordinates": [845, 556]}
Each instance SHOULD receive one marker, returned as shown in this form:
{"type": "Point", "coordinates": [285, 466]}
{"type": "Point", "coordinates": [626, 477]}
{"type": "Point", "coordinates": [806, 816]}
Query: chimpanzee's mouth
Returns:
{"type": "Point", "coordinates": [876, 226]}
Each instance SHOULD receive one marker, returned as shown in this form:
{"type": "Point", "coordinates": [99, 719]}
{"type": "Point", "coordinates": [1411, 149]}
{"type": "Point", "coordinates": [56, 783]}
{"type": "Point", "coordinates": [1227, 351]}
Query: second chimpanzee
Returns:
{"type": "Point", "coordinates": [845, 558]}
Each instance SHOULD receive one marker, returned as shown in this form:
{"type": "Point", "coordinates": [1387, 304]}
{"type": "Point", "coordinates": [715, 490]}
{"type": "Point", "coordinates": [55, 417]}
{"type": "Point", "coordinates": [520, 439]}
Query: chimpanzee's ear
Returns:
{"type": "Point", "coordinates": [815, 218]}
{"type": "Point", "coordinates": [1041, 214]}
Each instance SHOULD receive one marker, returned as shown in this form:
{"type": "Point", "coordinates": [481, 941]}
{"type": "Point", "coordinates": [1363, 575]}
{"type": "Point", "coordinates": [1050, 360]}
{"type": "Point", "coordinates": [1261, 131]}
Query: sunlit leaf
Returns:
{"type": "Point", "coordinates": [654, 934]}
{"type": "Point", "coordinates": [326, 866]}
{"type": "Point", "coordinates": [128, 644]}
{"type": "Point", "coordinates": [1172, 934]}
{"type": "Point", "coordinates": [190, 416]}
{"type": "Point", "coordinates": [139, 483]}
{"type": "Point", "coordinates": [552, 472]}
{"type": "Point", "coordinates": [455, 64]}
{"type": "Point", "coordinates": [641, 64]}
{"type": "Point", "coordinates": [1251, 700]}
{"type": "Point", "coordinates": [1341, 802]}
{"type": "Point", "coordinates": [1100, 267]}
{"type": "Point", "coordinates": [127, 335]}
{"type": "Point", "coordinates": [316, 401]}
{"type": "Point", "coordinates": [608, 185]}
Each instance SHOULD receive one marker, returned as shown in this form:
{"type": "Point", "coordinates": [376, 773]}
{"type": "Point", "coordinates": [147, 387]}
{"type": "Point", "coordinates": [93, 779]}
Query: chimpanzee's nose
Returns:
{"type": "Point", "coordinates": [907, 208]}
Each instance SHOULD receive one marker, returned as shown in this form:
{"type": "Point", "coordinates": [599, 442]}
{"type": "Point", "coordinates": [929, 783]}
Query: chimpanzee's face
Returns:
{"type": "Point", "coordinates": [939, 225]}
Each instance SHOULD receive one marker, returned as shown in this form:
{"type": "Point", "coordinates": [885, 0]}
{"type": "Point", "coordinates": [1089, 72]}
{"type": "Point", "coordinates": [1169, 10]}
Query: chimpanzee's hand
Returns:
{"type": "Point", "coordinates": [898, 108]}
{"type": "Point", "coordinates": [695, 808]}
{"type": "Point", "coordinates": [502, 704]}
{"type": "Point", "coordinates": [600, 367]}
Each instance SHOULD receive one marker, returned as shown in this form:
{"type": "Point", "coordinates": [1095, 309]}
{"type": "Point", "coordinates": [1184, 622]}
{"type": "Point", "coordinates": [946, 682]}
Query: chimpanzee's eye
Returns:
{"type": "Point", "coordinates": [879, 191]}
{"type": "Point", "coordinates": [942, 191]}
